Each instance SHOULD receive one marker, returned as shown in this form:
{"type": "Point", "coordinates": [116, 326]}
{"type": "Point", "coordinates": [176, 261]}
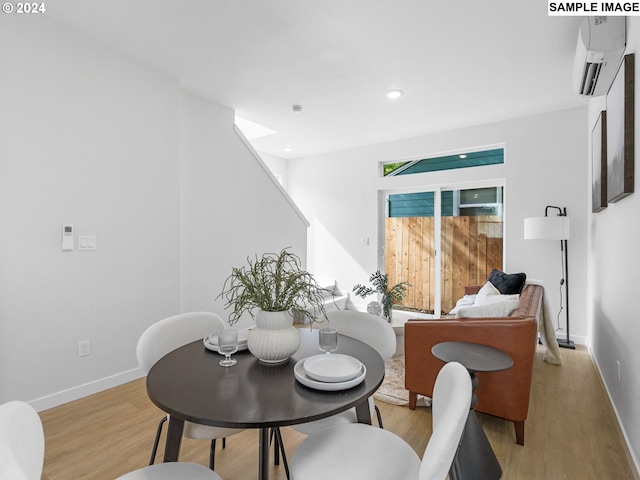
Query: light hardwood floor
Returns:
{"type": "Point", "coordinates": [571, 432]}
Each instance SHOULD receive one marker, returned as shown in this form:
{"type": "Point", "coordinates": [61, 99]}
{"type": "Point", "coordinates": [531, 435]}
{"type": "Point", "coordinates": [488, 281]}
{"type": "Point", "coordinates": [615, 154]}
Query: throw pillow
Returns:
{"type": "Point", "coordinates": [498, 309]}
{"type": "Point", "coordinates": [508, 284]}
{"type": "Point", "coordinates": [487, 291]}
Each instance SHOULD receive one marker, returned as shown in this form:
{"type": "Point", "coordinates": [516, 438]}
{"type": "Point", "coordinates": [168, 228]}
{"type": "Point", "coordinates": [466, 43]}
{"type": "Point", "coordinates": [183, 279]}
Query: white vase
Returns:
{"type": "Point", "coordinates": [274, 338]}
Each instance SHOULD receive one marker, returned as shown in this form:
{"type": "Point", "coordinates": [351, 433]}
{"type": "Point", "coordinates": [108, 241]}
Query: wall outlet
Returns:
{"type": "Point", "coordinates": [84, 348]}
{"type": "Point", "coordinates": [618, 372]}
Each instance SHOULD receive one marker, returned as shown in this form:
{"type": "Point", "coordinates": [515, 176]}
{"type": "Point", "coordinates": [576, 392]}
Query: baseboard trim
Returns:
{"type": "Point", "coordinates": [81, 391]}
{"type": "Point", "coordinates": [633, 460]}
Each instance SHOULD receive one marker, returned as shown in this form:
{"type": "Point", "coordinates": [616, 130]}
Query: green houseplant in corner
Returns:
{"type": "Point", "coordinates": [390, 296]}
{"type": "Point", "coordinates": [272, 289]}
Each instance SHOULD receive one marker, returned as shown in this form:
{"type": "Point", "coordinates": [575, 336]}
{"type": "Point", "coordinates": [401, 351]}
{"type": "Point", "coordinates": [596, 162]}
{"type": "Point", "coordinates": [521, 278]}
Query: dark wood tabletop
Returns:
{"type": "Point", "coordinates": [190, 385]}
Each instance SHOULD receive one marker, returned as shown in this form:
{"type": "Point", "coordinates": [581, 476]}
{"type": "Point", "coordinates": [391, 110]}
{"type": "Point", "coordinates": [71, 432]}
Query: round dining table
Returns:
{"type": "Point", "coordinates": [190, 385]}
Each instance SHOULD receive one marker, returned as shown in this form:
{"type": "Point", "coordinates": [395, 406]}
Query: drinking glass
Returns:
{"type": "Point", "coordinates": [228, 345]}
{"type": "Point", "coordinates": [328, 338]}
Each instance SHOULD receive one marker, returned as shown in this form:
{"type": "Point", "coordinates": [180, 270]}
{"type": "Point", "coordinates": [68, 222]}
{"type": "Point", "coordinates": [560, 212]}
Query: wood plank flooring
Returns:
{"type": "Point", "coordinates": [571, 433]}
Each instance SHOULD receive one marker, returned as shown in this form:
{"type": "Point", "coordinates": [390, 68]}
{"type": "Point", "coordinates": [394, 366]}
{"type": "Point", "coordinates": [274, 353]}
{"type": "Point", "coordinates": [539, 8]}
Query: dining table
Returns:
{"type": "Point", "coordinates": [190, 385]}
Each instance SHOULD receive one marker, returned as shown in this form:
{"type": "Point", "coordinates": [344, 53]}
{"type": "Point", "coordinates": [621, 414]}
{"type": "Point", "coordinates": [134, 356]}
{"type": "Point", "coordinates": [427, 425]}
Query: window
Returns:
{"type": "Point", "coordinates": [471, 203]}
{"type": "Point", "coordinates": [466, 232]}
{"type": "Point", "coordinates": [448, 162]}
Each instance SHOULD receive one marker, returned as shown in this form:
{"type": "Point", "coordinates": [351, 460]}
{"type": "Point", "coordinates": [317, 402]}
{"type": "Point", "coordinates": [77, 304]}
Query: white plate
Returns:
{"type": "Point", "coordinates": [211, 340]}
{"type": "Point", "coordinates": [303, 378]}
{"type": "Point", "coordinates": [332, 367]}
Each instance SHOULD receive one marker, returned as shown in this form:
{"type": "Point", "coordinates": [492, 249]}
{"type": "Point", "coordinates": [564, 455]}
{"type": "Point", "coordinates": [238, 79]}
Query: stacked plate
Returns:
{"type": "Point", "coordinates": [211, 340]}
{"type": "Point", "coordinates": [330, 372]}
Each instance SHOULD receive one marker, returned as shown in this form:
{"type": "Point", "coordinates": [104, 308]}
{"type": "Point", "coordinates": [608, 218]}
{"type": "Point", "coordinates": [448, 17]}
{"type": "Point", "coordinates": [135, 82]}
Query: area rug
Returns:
{"type": "Point", "coordinates": [392, 389]}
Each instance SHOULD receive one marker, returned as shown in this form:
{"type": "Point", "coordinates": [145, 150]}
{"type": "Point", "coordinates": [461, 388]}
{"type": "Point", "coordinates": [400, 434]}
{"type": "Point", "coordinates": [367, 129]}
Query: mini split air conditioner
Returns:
{"type": "Point", "coordinates": [601, 44]}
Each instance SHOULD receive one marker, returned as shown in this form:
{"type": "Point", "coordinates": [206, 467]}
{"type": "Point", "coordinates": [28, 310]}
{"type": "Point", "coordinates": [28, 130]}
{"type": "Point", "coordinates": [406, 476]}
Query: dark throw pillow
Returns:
{"type": "Point", "coordinates": [508, 284]}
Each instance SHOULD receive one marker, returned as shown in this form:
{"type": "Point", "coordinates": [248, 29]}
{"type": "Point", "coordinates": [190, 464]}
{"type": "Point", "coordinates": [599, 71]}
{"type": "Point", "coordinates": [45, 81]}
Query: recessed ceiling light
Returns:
{"type": "Point", "coordinates": [393, 94]}
{"type": "Point", "coordinates": [288, 149]}
{"type": "Point", "coordinates": [462, 156]}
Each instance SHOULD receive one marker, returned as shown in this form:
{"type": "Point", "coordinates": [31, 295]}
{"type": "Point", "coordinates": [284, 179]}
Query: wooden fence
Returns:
{"type": "Point", "coordinates": [471, 248]}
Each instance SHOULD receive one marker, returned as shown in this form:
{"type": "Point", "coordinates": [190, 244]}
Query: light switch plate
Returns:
{"type": "Point", "coordinates": [86, 242]}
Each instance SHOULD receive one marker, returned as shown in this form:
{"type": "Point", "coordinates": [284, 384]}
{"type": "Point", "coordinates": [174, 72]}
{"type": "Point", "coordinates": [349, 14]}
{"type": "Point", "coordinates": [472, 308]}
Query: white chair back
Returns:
{"type": "Point", "coordinates": [363, 452]}
{"type": "Point", "coordinates": [21, 442]}
{"type": "Point", "coordinates": [370, 329]}
{"type": "Point", "coordinates": [166, 335]}
{"type": "Point", "coordinates": [172, 471]}
{"type": "Point", "coordinates": [450, 409]}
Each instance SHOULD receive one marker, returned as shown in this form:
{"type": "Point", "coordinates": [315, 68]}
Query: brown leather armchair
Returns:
{"type": "Point", "coordinates": [502, 394]}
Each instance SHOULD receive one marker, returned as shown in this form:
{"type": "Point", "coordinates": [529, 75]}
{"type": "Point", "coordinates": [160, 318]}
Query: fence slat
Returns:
{"type": "Point", "coordinates": [471, 248]}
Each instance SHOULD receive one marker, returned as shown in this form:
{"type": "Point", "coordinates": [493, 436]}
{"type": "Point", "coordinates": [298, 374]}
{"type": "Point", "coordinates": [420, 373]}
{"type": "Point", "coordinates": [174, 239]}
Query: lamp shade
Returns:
{"type": "Point", "coordinates": [546, 228]}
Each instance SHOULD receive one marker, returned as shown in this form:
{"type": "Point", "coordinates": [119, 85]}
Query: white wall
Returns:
{"type": "Point", "coordinates": [279, 167]}
{"type": "Point", "coordinates": [91, 137]}
{"type": "Point", "coordinates": [231, 205]}
{"type": "Point", "coordinates": [614, 263]}
{"type": "Point", "coordinates": [87, 137]}
{"type": "Point", "coordinates": [544, 165]}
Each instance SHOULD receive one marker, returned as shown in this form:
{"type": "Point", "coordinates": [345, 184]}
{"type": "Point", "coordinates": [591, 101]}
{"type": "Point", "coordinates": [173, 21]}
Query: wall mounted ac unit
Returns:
{"type": "Point", "coordinates": [601, 44]}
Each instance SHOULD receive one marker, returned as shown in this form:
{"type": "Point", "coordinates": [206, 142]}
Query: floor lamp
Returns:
{"type": "Point", "coordinates": [554, 228]}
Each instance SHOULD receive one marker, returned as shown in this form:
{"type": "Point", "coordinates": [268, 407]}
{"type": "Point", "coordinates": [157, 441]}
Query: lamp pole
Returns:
{"type": "Point", "coordinates": [562, 212]}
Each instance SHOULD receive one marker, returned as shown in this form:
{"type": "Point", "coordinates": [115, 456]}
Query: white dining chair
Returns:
{"type": "Point", "coordinates": [359, 451]}
{"type": "Point", "coordinates": [370, 329]}
{"type": "Point", "coordinates": [165, 336]}
{"type": "Point", "coordinates": [22, 451]}
{"type": "Point", "coordinates": [21, 442]}
{"type": "Point", "coordinates": [172, 471]}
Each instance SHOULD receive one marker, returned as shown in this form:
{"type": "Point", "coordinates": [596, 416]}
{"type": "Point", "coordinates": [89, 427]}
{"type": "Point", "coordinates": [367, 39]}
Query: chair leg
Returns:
{"type": "Point", "coordinates": [413, 399]}
{"type": "Point", "coordinates": [157, 440]}
{"type": "Point", "coordinates": [212, 450]}
{"type": "Point", "coordinates": [212, 454]}
{"type": "Point", "coordinates": [281, 447]}
{"type": "Point", "coordinates": [379, 417]}
{"type": "Point", "coordinates": [519, 427]}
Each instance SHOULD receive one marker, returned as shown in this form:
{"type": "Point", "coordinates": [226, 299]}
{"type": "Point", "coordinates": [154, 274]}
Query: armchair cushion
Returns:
{"type": "Point", "coordinates": [488, 302]}
{"type": "Point", "coordinates": [501, 308]}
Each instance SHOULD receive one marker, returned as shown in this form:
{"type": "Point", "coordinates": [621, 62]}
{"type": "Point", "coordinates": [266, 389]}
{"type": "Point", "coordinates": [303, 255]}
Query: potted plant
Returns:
{"type": "Point", "coordinates": [272, 289]}
{"type": "Point", "coordinates": [390, 296]}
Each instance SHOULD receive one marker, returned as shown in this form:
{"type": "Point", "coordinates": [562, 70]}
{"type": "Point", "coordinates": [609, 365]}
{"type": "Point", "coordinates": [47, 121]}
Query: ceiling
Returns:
{"type": "Point", "coordinates": [459, 63]}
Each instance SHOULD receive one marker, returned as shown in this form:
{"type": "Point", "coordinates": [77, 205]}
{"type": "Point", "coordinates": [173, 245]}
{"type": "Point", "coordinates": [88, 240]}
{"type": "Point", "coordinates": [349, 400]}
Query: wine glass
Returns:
{"type": "Point", "coordinates": [228, 345]}
{"type": "Point", "coordinates": [328, 338]}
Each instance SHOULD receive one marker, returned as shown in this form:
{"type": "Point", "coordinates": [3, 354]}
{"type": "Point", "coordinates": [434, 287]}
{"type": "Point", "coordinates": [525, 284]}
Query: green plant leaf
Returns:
{"type": "Point", "coordinates": [380, 281]}
{"type": "Point", "coordinates": [274, 283]}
